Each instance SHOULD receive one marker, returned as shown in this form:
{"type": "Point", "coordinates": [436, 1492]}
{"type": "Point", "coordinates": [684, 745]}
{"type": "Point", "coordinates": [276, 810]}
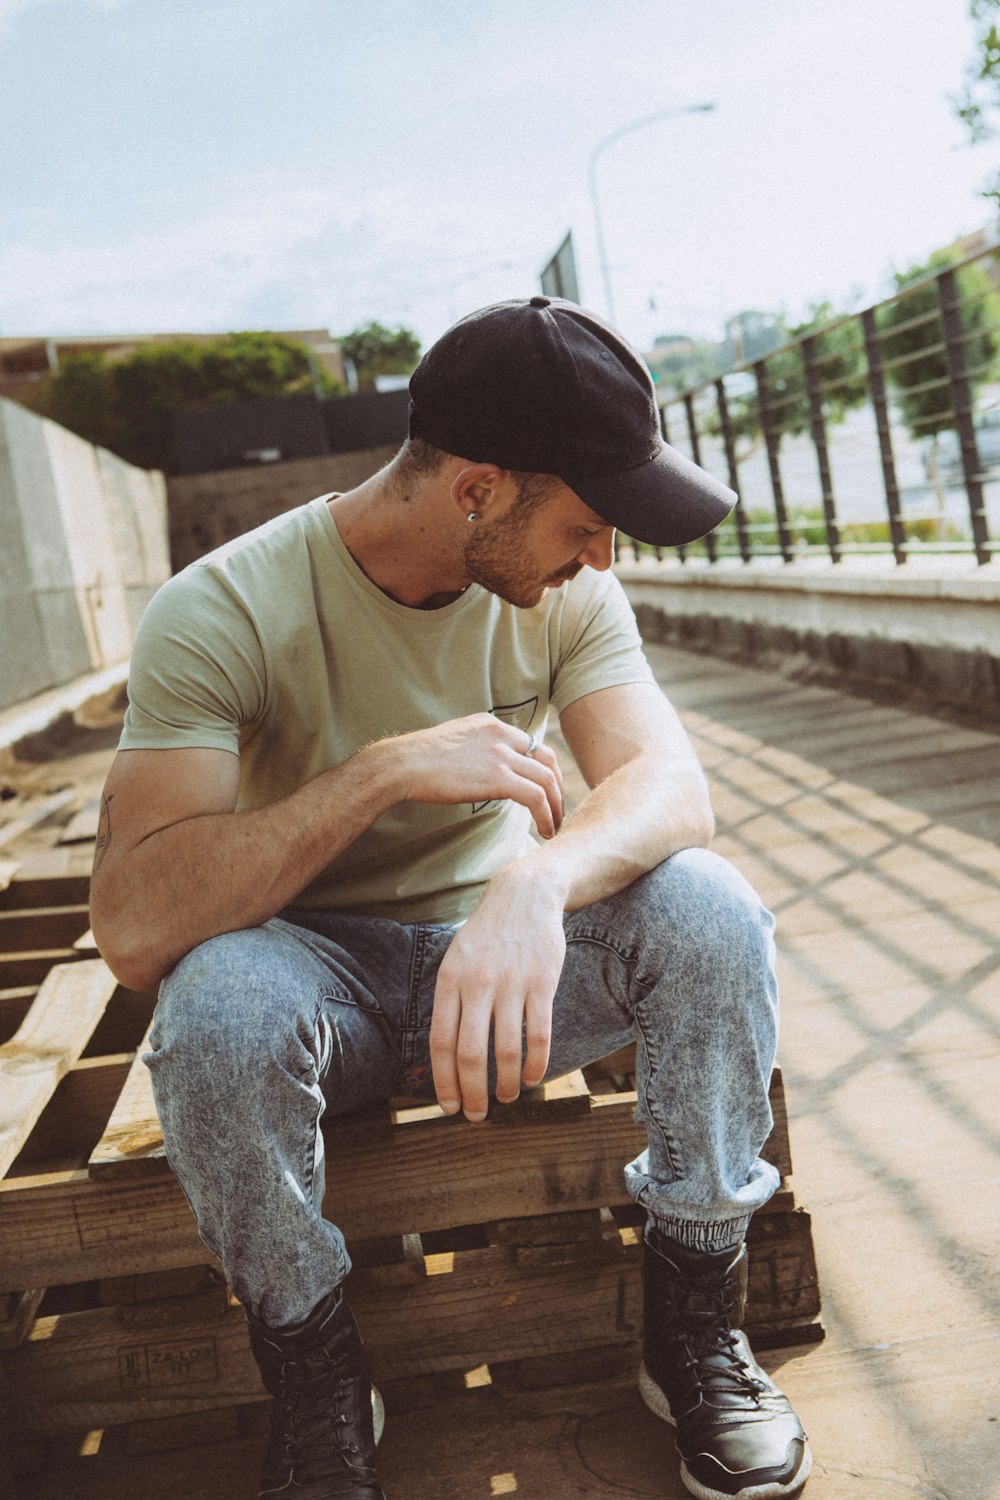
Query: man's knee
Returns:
{"type": "Point", "coordinates": [698, 912]}
{"type": "Point", "coordinates": [222, 998]}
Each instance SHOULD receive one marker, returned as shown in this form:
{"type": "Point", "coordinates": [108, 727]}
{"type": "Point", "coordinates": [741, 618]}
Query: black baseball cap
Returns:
{"type": "Point", "coordinates": [540, 385]}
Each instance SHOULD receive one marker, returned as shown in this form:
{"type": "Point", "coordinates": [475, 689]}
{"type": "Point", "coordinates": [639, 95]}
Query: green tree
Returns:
{"type": "Point", "coordinates": [979, 105]}
{"type": "Point", "coordinates": [375, 350]}
{"type": "Point", "coordinates": [911, 335]}
{"type": "Point", "coordinates": [79, 397]}
{"type": "Point", "coordinates": [917, 366]}
{"type": "Point", "coordinates": [127, 405]}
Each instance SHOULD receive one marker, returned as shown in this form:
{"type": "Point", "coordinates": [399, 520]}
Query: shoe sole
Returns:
{"type": "Point", "coordinates": [658, 1404]}
{"type": "Point", "coordinates": [378, 1414]}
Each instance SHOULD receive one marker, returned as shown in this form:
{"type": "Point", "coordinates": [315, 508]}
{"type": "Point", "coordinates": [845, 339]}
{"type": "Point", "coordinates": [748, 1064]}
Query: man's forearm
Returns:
{"type": "Point", "coordinates": [629, 823]}
{"type": "Point", "coordinates": [219, 872]}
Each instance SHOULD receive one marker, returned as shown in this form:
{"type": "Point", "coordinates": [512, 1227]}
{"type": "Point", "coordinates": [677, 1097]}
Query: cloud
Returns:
{"type": "Point", "coordinates": [269, 256]}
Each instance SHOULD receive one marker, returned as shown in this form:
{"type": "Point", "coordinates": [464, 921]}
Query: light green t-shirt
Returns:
{"type": "Point", "coordinates": [278, 647]}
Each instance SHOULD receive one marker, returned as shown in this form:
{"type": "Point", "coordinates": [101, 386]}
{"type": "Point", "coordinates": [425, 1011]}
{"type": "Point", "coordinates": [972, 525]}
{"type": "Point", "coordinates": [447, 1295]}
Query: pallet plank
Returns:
{"type": "Point", "coordinates": [61, 1227]}
{"type": "Point", "coordinates": [75, 1116]}
{"type": "Point", "coordinates": [131, 1144]}
{"type": "Point", "coordinates": [32, 966]}
{"type": "Point", "coordinates": [14, 1006]}
{"type": "Point", "coordinates": [34, 814]}
{"type": "Point", "coordinates": [82, 826]}
{"type": "Point", "coordinates": [50, 877]}
{"type": "Point", "coordinates": [42, 927]}
{"type": "Point", "coordinates": [52, 1036]}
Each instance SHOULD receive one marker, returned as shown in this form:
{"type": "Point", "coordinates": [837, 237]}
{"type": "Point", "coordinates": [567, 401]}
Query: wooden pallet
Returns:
{"type": "Point", "coordinates": [510, 1244]}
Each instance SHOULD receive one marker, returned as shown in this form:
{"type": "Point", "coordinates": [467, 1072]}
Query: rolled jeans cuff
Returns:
{"type": "Point", "coordinates": [711, 1237]}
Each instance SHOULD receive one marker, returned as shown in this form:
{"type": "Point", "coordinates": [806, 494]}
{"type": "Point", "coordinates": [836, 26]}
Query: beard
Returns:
{"type": "Point", "coordinates": [498, 558]}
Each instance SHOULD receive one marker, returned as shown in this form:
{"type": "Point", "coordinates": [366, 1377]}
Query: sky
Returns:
{"type": "Point", "coordinates": [209, 165]}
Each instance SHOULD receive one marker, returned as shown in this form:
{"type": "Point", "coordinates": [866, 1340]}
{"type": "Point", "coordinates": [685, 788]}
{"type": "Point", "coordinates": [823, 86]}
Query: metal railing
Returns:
{"type": "Point", "coordinates": [878, 432]}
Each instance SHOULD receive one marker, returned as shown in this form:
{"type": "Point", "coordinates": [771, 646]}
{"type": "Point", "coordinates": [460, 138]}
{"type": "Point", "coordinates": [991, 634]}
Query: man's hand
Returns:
{"type": "Point", "coordinates": [502, 967]}
{"type": "Point", "coordinates": [480, 759]}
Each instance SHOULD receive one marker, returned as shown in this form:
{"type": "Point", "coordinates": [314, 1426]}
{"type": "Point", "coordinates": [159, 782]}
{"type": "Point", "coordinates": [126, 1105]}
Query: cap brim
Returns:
{"type": "Point", "coordinates": [667, 501]}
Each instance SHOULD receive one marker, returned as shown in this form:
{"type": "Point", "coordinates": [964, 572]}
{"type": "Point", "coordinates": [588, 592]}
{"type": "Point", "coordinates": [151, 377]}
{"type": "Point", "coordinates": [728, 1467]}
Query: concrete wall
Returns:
{"type": "Point", "coordinates": [84, 547]}
{"type": "Point", "coordinates": [930, 629]}
{"type": "Point", "coordinates": [206, 510]}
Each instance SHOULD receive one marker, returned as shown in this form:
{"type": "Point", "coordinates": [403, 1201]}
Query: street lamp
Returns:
{"type": "Point", "coordinates": [616, 135]}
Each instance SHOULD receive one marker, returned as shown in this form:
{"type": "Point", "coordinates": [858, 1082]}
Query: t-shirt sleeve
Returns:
{"type": "Point", "coordinates": [197, 671]}
{"type": "Point", "coordinates": [599, 644]}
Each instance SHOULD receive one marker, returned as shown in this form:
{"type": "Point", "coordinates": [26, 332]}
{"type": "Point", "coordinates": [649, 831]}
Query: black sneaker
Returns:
{"type": "Point", "coordinates": [321, 1444]}
{"type": "Point", "coordinates": [737, 1435]}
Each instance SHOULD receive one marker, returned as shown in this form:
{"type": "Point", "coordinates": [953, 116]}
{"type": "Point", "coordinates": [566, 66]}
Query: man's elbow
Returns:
{"type": "Point", "coordinates": [705, 831]}
{"type": "Point", "coordinates": [131, 967]}
{"type": "Point", "coordinates": [702, 817]}
{"type": "Point", "coordinates": [698, 832]}
{"type": "Point", "coordinates": [126, 950]}
{"type": "Point", "coordinates": [144, 978]}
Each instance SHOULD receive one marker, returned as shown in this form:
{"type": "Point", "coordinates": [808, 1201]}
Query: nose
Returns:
{"type": "Point", "coordinates": [599, 553]}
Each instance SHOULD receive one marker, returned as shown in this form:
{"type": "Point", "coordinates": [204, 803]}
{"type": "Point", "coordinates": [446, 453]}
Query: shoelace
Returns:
{"type": "Point", "coordinates": [310, 1419]}
{"type": "Point", "coordinates": [712, 1358]}
{"type": "Point", "coordinates": [732, 1377]}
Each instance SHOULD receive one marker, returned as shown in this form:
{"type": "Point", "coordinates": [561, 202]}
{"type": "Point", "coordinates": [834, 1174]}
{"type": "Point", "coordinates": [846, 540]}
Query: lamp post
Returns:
{"type": "Point", "coordinates": [616, 135]}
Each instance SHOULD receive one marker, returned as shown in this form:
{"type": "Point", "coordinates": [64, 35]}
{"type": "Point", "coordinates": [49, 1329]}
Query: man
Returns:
{"type": "Point", "coordinates": [317, 838]}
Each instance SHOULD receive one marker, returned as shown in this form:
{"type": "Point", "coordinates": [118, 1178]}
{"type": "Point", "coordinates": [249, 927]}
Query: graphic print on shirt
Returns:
{"type": "Point", "coordinates": [518, 714]}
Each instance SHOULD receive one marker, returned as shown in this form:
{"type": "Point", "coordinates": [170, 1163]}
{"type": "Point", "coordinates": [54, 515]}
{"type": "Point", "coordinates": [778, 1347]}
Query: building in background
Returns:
{"type": "Point", "coordinates": [750, 335]}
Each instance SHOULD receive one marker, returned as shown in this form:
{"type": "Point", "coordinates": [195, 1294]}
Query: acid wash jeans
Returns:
{"type": "Point", "coordinates": [258, 1032]}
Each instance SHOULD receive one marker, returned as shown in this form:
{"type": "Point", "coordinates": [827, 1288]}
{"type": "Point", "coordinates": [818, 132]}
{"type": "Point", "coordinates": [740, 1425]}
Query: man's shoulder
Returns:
{"type": "Point", "coordinates": [256, 577]}
{"type": "Point", "coordinates": [288, 530]}
{"type": "Point", "coordinates": [260, 568]}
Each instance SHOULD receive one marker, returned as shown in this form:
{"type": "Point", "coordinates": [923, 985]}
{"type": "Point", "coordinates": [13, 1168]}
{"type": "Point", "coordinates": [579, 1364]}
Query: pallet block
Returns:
{"type": "Point", "coordinates": [510, 1244]}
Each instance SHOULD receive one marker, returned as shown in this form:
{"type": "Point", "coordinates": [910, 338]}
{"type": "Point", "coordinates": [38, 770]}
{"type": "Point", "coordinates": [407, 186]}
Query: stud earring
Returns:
{"type": "Point", "coordinates": [473, 515]}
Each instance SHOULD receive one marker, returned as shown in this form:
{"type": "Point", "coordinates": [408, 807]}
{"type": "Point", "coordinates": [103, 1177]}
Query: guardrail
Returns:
{"type": "Point", "coordinates": [878, 432]}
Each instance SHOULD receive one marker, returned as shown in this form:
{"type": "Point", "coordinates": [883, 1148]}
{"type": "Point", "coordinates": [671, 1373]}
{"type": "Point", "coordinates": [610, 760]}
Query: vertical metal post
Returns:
{"type": "Point", "coordinates": [681, 551]}
{"type": "Point", "coordinates": [729, 443]}
{"type": "Point", "coordinates": [876, 385]}
{"type": "Point", "coordinates": [692, 423]}
{"type": "Point", "coordinates": [961, 404]}
{"type": "Point", "coordinates": [772, 439]}
{"type": "Point", "coordinates": [818, 427]}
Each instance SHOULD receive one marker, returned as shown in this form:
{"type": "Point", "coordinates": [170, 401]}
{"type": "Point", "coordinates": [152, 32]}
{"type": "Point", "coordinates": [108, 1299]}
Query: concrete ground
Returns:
{"type": "Point", "coordinates": [872, 831]}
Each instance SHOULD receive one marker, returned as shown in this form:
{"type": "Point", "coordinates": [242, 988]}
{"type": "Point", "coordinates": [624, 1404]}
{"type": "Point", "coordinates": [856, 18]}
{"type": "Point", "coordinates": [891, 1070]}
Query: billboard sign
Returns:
{"type": "Point", "coordinates": [559, 275]}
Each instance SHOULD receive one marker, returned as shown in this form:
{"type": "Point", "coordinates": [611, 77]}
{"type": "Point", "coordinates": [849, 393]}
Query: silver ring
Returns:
{"type": "Point", "coordinates": [532, 743]}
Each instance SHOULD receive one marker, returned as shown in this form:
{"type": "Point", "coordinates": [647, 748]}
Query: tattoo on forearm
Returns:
{"type": "Point", "coordinates": [103, 831]}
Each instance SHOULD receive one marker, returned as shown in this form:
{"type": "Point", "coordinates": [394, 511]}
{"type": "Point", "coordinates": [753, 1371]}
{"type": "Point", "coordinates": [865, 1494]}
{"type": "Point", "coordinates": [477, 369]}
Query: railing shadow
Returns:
{"type": "Point", "coordinates": [873, 833]}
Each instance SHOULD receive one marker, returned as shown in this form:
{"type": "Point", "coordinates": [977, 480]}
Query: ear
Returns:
{"type": "Point", "coordinates": [483, 490]}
